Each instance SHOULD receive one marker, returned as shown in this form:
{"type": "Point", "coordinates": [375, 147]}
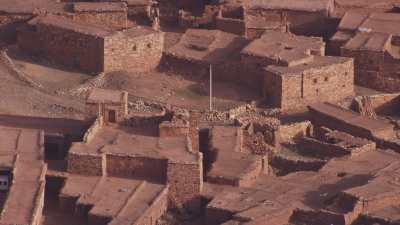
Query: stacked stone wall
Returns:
{"type": "Point", "coordinates": [115, 20]}
{"type": "Point", "coordinates": [86, 163]}
{"type": "Point", "coordinates": [285, 165]}
{"type": "Point", "coordinates": [137, 167]}
{"type": "Point", "coordinates": [375, 69]}
{"type": "Point", "coordinates": [138, 54]}
{"type": "Point", "coordinates": [185, 182]}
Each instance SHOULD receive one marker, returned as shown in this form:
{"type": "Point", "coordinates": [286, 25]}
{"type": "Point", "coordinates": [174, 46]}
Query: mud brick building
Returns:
{"type": "Point", "coordinates": [111, 14]}
{"type": "Point", "coordinates": [296, 72]}
{"type": "Point", "coordinates": [92, 48]}
{"type": "Point", "coordinates": [198, 49]}
{"type": "Point", "coordinates": [109, 104]}
{"type": "Point", "coordinates": [136, 151]}
{"type": "Point", "coordinates": [373, 41]}
{"type": "Point", "coordinates": [305, 17]}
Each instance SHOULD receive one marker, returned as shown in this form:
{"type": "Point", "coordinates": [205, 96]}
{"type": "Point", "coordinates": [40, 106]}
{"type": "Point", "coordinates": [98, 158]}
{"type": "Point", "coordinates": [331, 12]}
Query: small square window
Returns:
{"type": "Point", "coordinates": [149, 45]}
{"type": "Point", "coordinates": [134, 48]}
{"type": "Point", "coordinates": [326, 78]}
{"type": "Point", "coordinates": [315, 80]}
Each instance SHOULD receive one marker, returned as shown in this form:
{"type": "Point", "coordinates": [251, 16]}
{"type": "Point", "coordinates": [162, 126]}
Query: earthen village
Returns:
{"type": "Point", "coordinates": [200, 112]}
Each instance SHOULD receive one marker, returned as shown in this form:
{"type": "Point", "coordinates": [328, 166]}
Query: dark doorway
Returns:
{"type": "Point", "coordinates": [51, 151]}
{"type": "Point", "coordinates": [112, 116]}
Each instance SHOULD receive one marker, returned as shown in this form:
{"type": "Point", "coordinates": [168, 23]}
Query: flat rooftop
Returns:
{"type": "Point", "coordinates": [207, 45]}
{"type": "Point", "coordinates": [333, 114]}
{"type": "Point", "coordinates": [28, 171]}
{"type": "Point", "coordinates": [71, 25]}
{"type": "Point", "coordinates": [284, 48]}
{"type": "Point", "coordinates": [135, 142]}
{"type": "Point", "coordinates": [371, 22]}
{"type": "Point", "coordinates": [323, 6]}
{"type": "Point", "coordinates": [120, 200]}
{"type": "Point", "coordinates": [318, 62]}
{"type": "Point", "coordinates": [369, 41]}
{"type": "Point", "coordinates": [51, 126]}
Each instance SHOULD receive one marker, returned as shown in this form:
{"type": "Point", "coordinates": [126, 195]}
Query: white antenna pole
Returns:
{"type": "Point", "coordinates": [210, 87]}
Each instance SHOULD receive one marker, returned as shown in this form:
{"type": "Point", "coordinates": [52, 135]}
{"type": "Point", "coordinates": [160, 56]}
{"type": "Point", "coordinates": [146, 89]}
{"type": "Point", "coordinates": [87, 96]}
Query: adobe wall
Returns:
{"type": "Point", "coordinates": [290, 132]}
{"type": "Point", "coordinates": [65, 47]}
{"type": "Point", "coordinates": [156, 209]}
{"type": "Point", "coordinates": [319, 118]}
{"type": "Point", "coordinates": [231, 25]}
{"type": "Point", "coordinates": [115, 20]}
{"type": "Point", "coordinates": [375, 70]}
{"type": "Point", "coordinates": [137, 167]}
{"type": "Point", "coordinates": [185, 182]}
{"type": "Point", "coordinates": [138, 54]}
{"type": "Point", "coordinates": [86, 163]}
{"type": "Point", "coordinates": [9, 24]}
{"type": "Point", "coordinates": [330, 83]}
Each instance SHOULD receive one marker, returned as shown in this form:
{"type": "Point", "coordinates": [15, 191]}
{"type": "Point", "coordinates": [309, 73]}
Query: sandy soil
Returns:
{"type": "Point", "coordinates": [18, 98]}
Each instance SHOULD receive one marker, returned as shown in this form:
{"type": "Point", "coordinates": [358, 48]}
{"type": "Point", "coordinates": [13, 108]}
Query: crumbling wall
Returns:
{"type": "Point", "coordinates": [383, 104]}
{"type": "Point", "coordinates": [133, 52]}
{"type": "Point", "coordinates": [285, 165]}
{"type": "Point", "coordinates": [137, 167]}
{"type": "Point", "coordinates": [185, 182]}
{"type": "Point", "coordinates": [146, 119]}
{"type": "Point", "coordinates": [248, 177]}
{"type": "Point", "coordinates": [290, 132]}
